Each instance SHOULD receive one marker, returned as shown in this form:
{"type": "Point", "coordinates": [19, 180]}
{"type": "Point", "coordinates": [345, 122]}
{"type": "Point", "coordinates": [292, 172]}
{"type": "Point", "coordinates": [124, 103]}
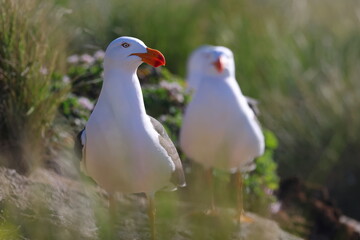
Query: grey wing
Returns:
{"type": "Point", "coordinates": [177, 177]}
{"type": "Point", "coordinates": [253, 104]}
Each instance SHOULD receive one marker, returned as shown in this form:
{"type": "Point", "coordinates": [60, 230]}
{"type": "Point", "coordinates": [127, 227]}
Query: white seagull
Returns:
{"type": "Point", "coordinates": [195, 72]}
{"type": "Point", "coordinates": [194, 68]}
{"type": "Point", "coordinates": [219, 128]}
{"type": "Point", "coordinates": [123, 149]}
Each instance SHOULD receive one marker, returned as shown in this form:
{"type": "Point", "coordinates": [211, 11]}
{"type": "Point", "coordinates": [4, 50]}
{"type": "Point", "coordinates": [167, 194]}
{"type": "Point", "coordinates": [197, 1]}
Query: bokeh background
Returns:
{"type": "Point", "coordinates": [299, 58]}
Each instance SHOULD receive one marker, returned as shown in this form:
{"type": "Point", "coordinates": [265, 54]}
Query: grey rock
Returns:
{"type": "Point", "coordinates": [45, 205]}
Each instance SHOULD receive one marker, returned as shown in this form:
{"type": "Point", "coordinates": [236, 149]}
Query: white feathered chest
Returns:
{"type": "Point", "coordinates": [219, 129]}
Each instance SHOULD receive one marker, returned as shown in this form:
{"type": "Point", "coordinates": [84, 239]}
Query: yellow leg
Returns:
{"type": "Point", "coordinates": [112, 206]}
{"type": "Point", "coordinates": [241, 217]}
{"type": "Point", "coordinates": [112, 214]}
{"type": "Point", "coordinates": [209, 180]}
{"type": "Point", "coordinates": [151, 214]}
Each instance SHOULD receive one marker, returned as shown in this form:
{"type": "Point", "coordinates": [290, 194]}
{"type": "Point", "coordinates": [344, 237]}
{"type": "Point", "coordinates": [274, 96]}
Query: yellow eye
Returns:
{"type": "Point", "coordinates": [125, 45]}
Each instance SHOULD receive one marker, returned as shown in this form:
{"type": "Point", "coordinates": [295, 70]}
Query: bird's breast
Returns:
{"type": "Point", "coordinates": [219, 129]}
{"type": "Point", "coordinates": [123, 154]}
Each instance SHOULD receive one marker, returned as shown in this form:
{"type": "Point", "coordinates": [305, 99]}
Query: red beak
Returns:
{"type": "Point", "coordinates": [152, 57]}
{"type": "Point", "coordinates": [219, 64]}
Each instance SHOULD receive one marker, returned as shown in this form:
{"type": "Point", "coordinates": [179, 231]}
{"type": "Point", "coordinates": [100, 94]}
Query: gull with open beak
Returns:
{"type": "Point", "coordinates": [219, 129]}
{"type": "Point", "coordinates": [122, 148]}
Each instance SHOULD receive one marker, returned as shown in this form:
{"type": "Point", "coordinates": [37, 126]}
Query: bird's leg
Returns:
{"type": "Point", "coordinates": [210, 183]}
{"type": "Point", "coordinates": [151, 214]}
{"type": "Point", "coordinates": [112, 207]}
{"type": "Point", "coordinates": [112, 214]}
{"type": "Point", "coordinates": [241, 217]}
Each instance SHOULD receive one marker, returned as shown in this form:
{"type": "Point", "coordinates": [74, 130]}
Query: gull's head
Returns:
{"type": "Point", "coordinates": [129, 53]}
{"type": "Point", "coordinates": [211, 61]}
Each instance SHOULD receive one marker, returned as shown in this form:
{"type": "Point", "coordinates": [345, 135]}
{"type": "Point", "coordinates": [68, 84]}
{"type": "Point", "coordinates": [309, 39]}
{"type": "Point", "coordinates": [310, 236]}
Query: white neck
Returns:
{"type": "Point", "coordinates": [121, 92]}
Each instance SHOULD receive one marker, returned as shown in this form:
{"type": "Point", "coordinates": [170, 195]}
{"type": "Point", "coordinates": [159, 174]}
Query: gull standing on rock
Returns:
{"type": "Point", "coordinates": [219, 129]}
{"type": "Point", "coordinates": [123, 149]}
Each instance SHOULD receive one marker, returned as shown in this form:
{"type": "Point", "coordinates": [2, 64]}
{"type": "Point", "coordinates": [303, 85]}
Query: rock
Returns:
{"type": "Point", "coordinates": [48, 202]}
{"type": "Point", "coordinates": [264, 229]}
{"type": "Point", "coordinates": [308, 210]}
{"type": "Point", "coordinates": [45, 205]}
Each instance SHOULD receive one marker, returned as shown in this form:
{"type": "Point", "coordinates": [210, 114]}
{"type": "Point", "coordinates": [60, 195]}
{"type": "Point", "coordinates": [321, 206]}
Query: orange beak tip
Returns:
{"type": "Point", "coordinates": [219, 65]}
{"type": "Point", "coordinates": [152, 57]}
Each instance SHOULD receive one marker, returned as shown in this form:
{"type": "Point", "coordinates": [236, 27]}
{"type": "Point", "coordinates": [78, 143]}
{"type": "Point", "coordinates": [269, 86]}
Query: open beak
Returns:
{"type": "Point", "coordinates": [152, 57]}
{"type": "Point", "coordinates": [219, 64]}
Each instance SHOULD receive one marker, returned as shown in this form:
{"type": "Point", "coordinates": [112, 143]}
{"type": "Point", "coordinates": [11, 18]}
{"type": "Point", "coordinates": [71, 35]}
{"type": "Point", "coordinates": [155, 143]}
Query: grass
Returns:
{"type": "Point", "coordinates": [32, 51]}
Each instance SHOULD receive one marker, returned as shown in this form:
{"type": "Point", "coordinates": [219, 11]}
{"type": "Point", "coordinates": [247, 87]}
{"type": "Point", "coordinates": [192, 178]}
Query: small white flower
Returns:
{"type": "Point", "coordinates": [44, 71]}
{"type": "Point", "coordinates": [179, 97]}
{"type": "Point", "coordinates": [86, 103]}
{"type": "Point", "coordinates": [175, 90]}
{"type": "Point", "coordinates": [163, 118]}
{"type": "Point", "coordinates": [268, 191]}
{"type": "Point", "coordinates": [86, 58]}
{"type": "Point", "coordinates": [99, 55]}
{"type": "Point", "coordinates": [275, 207]}
{"type": "Point", "coordinates": [171, 86]}
{"type": "Point", "coordinates": [66, 79]}
{"type": "Point", "coordinates": [77, 122]}
{"type": "Point", "coordinates": [73, 59]}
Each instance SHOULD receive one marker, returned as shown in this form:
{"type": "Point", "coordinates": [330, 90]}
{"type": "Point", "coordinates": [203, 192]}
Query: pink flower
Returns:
{"type": "Point", "coordinates": [88, 59]}
{"type": "Point", "coordinates": [171, 86]}
{"type": "Point", "coordinates": [175, 90]}
{"type": "Point", "coordinates": [86, 103]}
{"type": "Point", "coordinates": [99, 55]}
{"type": "Point", "coordinates": [275, 207]}
{"type": "Point", "coordinates": [73, 59]}
{"type": "Point", "coordinates": [44, 71]}
{"type": "Point", "coordinates": [268, 191]}
{"type": "Point", "coordinates": [66, 79]}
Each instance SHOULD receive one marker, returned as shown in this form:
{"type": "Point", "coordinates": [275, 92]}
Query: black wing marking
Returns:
{"type": "Point", "coordinates": [253, 104]}
{"type": "Point", "coordinates": [177, 176]}
{"type": "Point", "coordinates": [78, 146]}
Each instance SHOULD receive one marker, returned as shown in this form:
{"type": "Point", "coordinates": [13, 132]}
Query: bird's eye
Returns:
{"type": "Point", "coordinates": [125, 45]}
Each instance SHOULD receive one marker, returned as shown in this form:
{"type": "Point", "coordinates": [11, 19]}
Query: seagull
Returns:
{"type": "Point", "coordinates": [194, 73]}
{"type": "Point", "coordinates": [194, 70]}
{"type": "Point", "coordinates": [219, 129]}
{"type": "Point", "coordinates": [122, 148]}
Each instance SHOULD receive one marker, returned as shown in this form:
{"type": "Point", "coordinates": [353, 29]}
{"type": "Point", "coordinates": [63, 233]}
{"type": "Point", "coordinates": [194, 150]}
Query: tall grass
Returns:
{"type": "Point", "coordinates": [32, 51]}
{"type": "Point", "coordinates": [314, 108]}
